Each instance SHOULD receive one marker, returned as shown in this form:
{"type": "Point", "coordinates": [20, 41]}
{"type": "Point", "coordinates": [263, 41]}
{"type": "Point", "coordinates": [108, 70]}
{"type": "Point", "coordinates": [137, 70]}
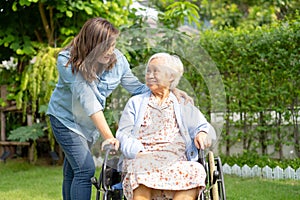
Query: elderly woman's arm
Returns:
{"type": "Point", "coordinates": [130, 145]}
{"type": "Point", "coordinates": [197, 125]}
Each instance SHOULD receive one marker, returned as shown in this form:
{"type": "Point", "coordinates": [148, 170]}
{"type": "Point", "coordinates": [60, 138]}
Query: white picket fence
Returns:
{"type": "Point", "coordinates": [265, 172]}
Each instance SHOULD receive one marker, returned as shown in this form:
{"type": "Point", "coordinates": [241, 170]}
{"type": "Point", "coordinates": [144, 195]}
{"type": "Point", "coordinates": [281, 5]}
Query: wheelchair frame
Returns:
{"type": "Point", "coordinates": [108, 184]}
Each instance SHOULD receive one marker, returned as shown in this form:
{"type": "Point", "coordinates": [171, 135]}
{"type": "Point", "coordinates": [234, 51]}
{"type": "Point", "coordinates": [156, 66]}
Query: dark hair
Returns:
{"type": "Point", "coordinates": [96, 37]}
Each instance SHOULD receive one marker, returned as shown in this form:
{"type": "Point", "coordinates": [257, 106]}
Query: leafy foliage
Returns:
{"type": "Point", "coordinates": [218, 14]}
{"type": "Point", "coordinates": [27, 133]}
{"type": "Point", "coordinates": [258, 67]}
{"type": "Point", "coordinates": [176, 14]}
{"type": "Point", "coordinates": [34, 45]}
{"type": "Point", "coordinates": [253, 158]}
{"type": "Point", "coordinates": [257, 56]}
{"type": "Point", "coordinates": [55, 21]}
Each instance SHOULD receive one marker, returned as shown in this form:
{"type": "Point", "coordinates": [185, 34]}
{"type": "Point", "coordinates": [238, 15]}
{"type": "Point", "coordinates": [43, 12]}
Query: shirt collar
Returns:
{"type": "Point", "coordinates": [153, 102]}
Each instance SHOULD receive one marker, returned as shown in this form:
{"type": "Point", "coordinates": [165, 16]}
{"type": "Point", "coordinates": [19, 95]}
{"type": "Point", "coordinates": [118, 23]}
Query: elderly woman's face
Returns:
{"type": "Point", "coordinates": [157, 76]}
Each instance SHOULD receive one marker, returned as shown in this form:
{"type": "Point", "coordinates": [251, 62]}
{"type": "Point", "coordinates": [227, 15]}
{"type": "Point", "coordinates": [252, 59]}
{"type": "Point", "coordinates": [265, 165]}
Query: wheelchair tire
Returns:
{"type": "Point", "coordinates": [221, 183]}
{"type": "Point", "coordinates": [212, 168]}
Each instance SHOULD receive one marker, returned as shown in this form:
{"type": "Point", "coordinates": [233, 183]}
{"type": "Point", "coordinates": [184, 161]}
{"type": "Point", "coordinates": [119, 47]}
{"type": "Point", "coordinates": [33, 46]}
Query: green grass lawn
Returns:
{"type": "Point", "coordinates": [261, 189]}
{"type": "Point", "coordinates": [22, 181]}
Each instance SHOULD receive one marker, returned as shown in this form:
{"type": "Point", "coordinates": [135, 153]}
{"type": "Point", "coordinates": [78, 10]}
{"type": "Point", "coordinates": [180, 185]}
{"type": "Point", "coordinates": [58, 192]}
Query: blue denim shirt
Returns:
{"type": "Point", "coordinates": [189, 118]}
{"type": "Point", "coordinates": [74, 100]}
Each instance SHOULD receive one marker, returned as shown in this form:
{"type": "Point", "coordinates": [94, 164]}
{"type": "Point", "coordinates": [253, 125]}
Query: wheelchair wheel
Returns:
{"type": "Point", "coordinates": [212, 181]}
{"type": "Point", "coordinates": [221, 183]}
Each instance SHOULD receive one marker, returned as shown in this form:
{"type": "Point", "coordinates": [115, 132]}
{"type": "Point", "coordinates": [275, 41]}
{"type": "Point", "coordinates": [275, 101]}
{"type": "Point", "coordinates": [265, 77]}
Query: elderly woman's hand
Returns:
{"type": "Point", "coordinates": [202, 141]}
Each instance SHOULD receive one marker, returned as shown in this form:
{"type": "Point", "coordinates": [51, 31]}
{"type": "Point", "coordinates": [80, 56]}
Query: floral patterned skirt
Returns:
{"type": "Point", "coordinates": [163, 172]}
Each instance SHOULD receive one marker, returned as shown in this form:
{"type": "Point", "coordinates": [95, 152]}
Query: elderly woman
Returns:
{"type": "Point", "coordinates": [159, 138]}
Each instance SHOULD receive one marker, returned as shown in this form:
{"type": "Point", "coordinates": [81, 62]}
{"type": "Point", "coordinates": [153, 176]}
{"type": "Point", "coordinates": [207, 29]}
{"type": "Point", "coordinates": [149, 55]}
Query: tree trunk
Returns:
{"type": "Point", "coordinates": [296, 134]}
{"type": "Point", "coordinates": [279, 145]}
{"type": "Point", "coordinates": [49, 29]}
{"type": "Point", "coordinates": [227, 128]}
{"type": "Point", "coordinates": [262, 134]}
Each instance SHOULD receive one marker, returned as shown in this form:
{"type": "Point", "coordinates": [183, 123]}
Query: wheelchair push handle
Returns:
{"type": "Point", "coordinates": [108, 147]}
{"type": "Point", "coordinates": [109, 150]}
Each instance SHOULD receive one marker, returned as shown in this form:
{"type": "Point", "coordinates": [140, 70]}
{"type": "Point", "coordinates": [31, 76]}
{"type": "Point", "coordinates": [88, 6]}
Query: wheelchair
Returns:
{"type": "Point", "coordinates": [109, 187]}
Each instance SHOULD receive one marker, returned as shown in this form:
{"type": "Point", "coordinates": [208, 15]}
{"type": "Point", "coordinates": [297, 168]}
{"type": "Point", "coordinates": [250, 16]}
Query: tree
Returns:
{"type": "Point", "coordinates": [218, 14]}
{"type": "Point", "coordinates": [32, 32]}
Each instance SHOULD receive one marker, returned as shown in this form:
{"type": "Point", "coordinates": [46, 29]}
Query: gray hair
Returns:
{"type": "Point", "coordinates": [172, 62]}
